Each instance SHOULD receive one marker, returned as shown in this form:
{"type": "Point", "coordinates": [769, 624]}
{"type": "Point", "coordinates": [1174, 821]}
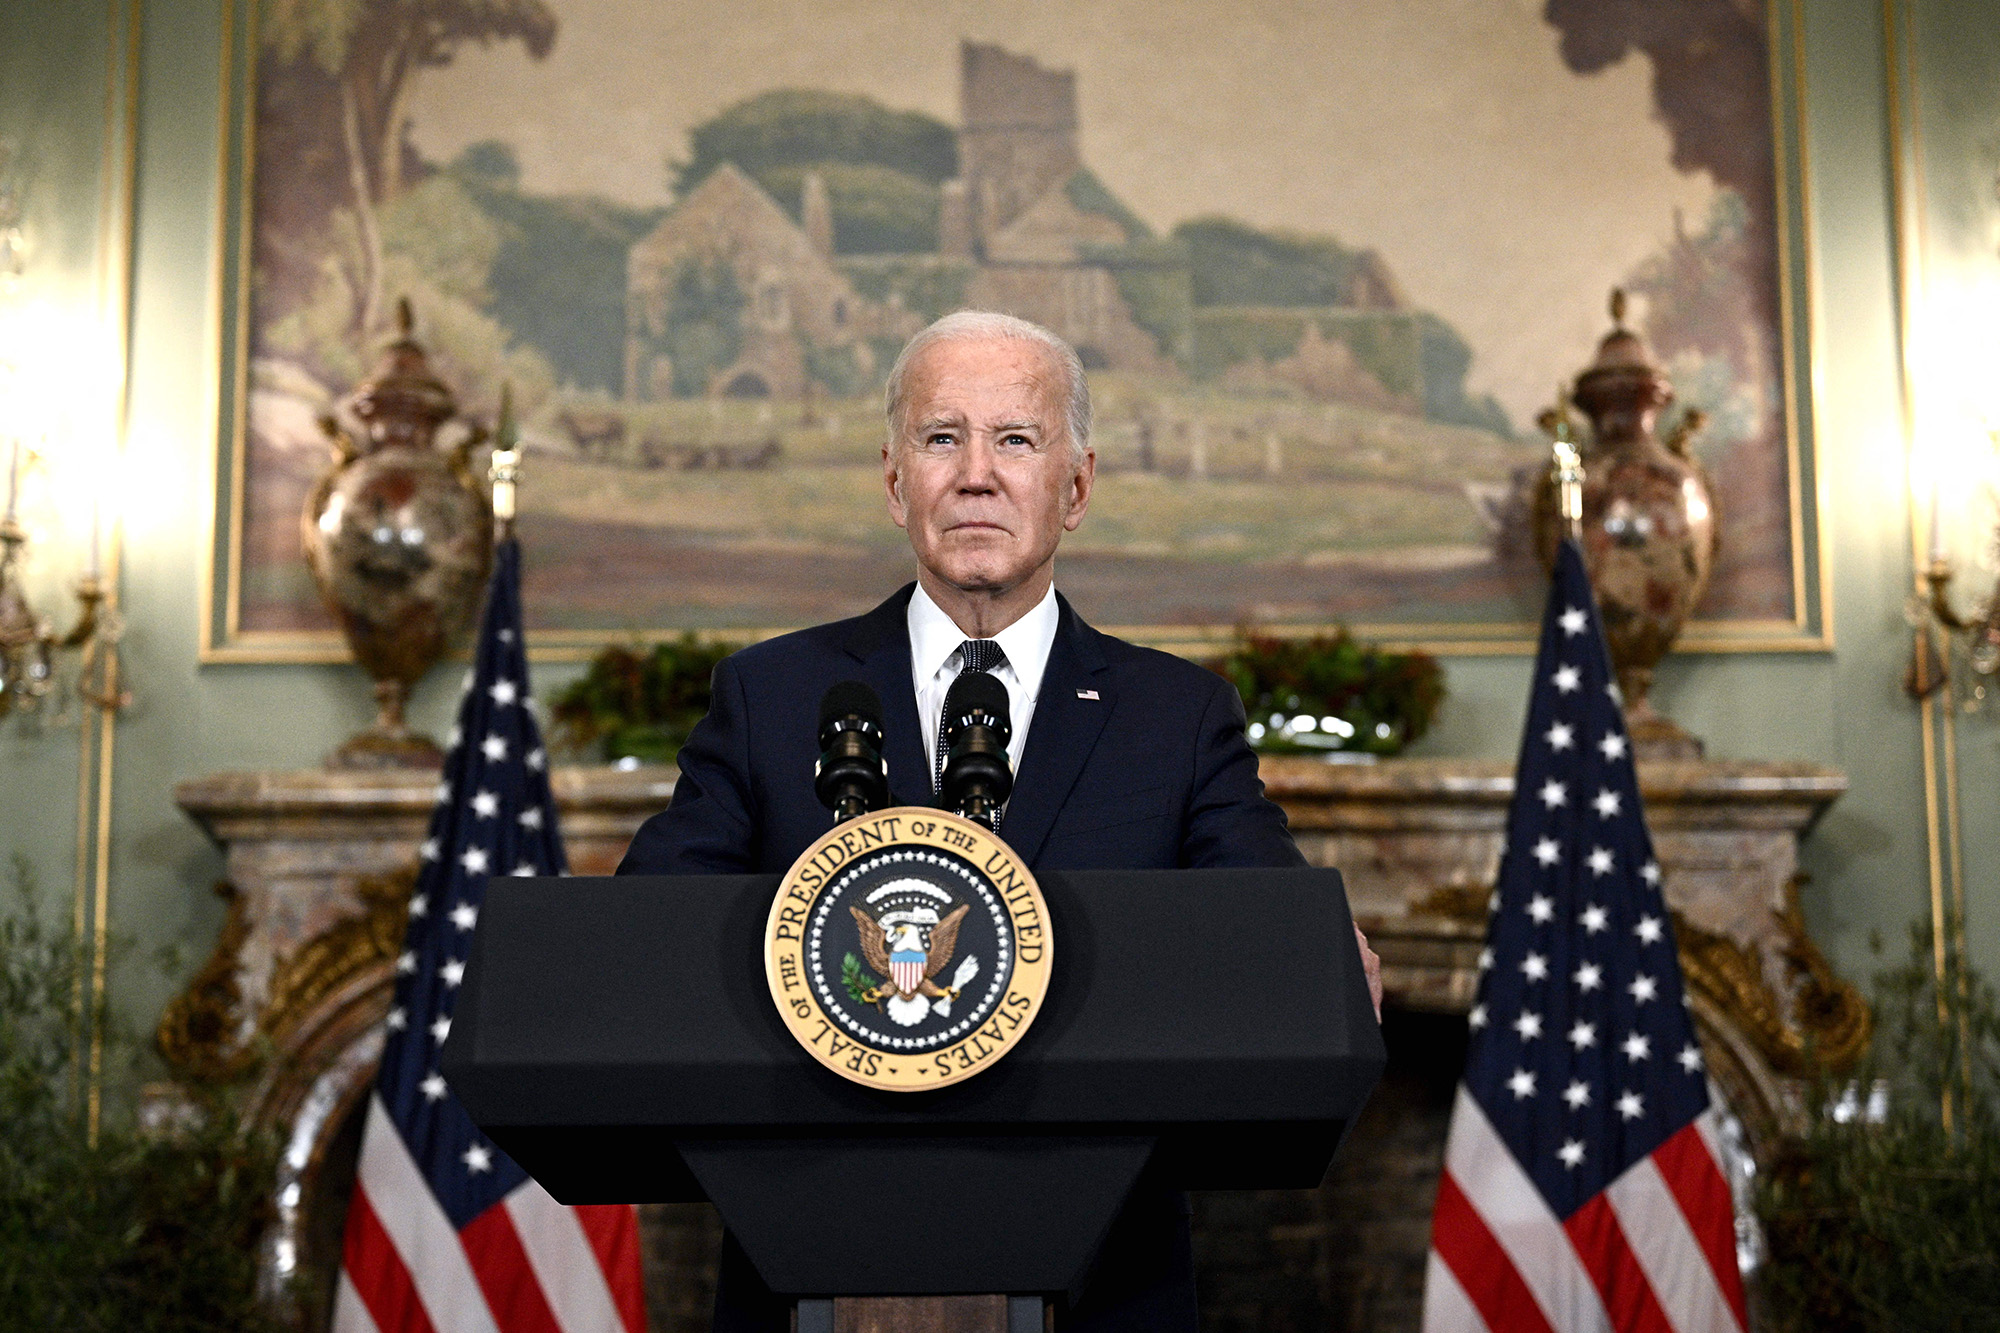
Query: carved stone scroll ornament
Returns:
{"type": "Point", "coordinates": [1820, 1026]}
{"type": "Point", "coordinates": [204, 1032]}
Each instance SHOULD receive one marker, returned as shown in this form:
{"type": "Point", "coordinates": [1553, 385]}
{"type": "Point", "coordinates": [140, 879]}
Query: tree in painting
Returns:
{"type": "Point", "coordinates": [358, 58]}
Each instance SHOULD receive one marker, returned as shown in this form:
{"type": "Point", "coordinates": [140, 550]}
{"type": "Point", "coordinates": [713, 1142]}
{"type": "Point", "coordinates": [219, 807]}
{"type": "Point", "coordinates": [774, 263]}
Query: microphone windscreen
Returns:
{"type": "Point", "coordinates": [976, 692]}
{"type": "Point", "coordinates": [850, 698]}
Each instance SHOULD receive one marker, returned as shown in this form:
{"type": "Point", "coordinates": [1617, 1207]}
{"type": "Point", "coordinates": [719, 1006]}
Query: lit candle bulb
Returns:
{"type": "Point", "coordinates": [14, 482]}
{"type": "Point", "coordinates": [96, 539]}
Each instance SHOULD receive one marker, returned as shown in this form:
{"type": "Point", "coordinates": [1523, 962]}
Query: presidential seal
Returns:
{"type": "Point", "coordinates": [908, 949]}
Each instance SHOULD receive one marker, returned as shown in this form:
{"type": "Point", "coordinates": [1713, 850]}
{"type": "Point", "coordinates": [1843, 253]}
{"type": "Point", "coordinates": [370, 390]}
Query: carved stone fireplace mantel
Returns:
{"type": "Point", "coordinates": [319, 864]}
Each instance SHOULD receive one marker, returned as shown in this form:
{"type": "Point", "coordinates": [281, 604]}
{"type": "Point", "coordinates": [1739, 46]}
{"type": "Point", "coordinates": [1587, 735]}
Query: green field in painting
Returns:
{"type": "Point", "coordinates": [1230, 478]}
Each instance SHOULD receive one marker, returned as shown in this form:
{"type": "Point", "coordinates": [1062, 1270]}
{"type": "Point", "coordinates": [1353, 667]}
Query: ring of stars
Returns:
{"type": "Point", "coordinates": [997, 974]}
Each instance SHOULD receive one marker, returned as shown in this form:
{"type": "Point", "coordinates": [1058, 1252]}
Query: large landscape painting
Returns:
{"type": "Point", "coordinates": [1326, 263]}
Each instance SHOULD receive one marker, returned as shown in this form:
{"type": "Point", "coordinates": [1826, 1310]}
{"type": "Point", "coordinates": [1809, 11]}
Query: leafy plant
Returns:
{"type": "Point", "coordinates": [859, 983]}
{"type": "Point", "coordinates": [1332, 692]}
{"type": "Point", "coordinates": [125, 1230]}
{"type": "Point", "coordinates": [637, 703]}
{"type": "Point", "coordinates": [1886, 1214]}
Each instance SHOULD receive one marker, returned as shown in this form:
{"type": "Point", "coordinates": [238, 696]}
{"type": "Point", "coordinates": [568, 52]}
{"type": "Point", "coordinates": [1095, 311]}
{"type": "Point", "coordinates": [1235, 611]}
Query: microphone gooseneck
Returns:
{"type": "Point", "coordinates": [976, 728]}
{"type": "Point", "coordinates": [850, 778]}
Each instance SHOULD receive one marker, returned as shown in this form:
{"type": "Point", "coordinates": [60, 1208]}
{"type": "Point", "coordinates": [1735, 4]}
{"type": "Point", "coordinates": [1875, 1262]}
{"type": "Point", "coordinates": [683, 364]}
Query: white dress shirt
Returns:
{"type": "Point", "coordinates": [935, 663]}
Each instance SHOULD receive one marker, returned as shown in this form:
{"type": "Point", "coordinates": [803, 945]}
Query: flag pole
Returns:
{"type": "Point", "coordinates": [505, 469]}
{"type": "Point", "coordinates": [1568, 470]}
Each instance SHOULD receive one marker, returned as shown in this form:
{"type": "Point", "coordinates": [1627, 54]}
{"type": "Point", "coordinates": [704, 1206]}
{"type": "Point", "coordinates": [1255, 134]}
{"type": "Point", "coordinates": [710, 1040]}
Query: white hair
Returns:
{"type": "Point", "coordinates": [970, 325]}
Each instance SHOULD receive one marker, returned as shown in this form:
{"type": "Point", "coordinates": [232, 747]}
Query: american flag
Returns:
{"type": "Point", "coordinates": [445, 1234]}
{"type": "Point", "coordinates": [1582, 1186]}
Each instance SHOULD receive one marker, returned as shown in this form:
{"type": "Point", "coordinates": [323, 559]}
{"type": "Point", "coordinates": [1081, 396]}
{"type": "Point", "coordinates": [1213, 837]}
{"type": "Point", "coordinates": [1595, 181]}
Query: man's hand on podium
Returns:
{"type": "Point", "coordinates": [1371, 963]}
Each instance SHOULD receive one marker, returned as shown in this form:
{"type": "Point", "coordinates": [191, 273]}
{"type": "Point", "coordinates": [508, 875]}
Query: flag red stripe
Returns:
{"type": "Point", "coordinates": [500, 1263]}
{"type": "Point", "coordinates": [613, 1232]}
{"type": "Point", "coordinates": [1695, 1179]}
{"type": "Point", "coordinates": [1607, 1256]}
{"type": "Point", "coordinates": [379, 1276]}
{"type": "Point", "coordinates": [1462, 1239]}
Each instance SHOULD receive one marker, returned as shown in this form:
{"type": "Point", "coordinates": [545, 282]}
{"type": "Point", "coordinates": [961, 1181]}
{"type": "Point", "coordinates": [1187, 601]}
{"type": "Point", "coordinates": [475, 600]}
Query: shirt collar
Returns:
{"type": "Point", "coordinates": [934, 637]}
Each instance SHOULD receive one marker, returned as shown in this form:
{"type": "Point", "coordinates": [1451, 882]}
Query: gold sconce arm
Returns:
{"type": "Point", "coordinates": [1938, 623]}
{"type": "Point", "coordinates": [28, 644]}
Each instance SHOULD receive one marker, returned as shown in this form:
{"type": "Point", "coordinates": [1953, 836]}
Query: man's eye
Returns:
{"type": "Point", "coordinates": [1016, 442]}
{"type": "Point", "coordinates": [939, 441]}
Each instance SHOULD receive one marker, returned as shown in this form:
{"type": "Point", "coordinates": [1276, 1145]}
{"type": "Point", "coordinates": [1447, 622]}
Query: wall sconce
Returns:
{"type": "Point", "coordinates": [1944, 635]}
{"type": "Point", "coordinates": [29, 645]}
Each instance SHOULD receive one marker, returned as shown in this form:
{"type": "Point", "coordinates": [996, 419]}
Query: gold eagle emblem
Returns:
{"type": "Point", "coordinates": [896, 947]}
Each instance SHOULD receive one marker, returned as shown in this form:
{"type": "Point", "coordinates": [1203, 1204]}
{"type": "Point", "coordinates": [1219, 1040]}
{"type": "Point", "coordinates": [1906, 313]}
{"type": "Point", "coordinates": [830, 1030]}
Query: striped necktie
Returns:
{"type": "Point", "coordinates": [976, 655]}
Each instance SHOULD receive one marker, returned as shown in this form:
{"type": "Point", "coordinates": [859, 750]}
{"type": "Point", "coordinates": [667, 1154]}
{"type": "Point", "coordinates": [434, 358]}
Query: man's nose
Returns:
{"type": "Point", "coordinates": [977, 466]}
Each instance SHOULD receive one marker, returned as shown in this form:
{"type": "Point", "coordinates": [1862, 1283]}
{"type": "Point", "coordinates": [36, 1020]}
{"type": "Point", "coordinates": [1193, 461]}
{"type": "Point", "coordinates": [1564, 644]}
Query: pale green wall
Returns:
{"type": "Point", "coordinates": [1867, 858]}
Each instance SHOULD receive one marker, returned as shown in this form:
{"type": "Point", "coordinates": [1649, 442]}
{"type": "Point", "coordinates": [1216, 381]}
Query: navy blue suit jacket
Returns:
{"type": "Point", "coordinates": [1135, 760]}
{"type": "Point", "coordinates": [1153, 773]}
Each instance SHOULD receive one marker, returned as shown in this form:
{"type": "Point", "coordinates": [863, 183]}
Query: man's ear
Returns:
{"type": "Point", "coordinates": [892, 483]}
{"type": "Point", "coordinates": [1079, 491]}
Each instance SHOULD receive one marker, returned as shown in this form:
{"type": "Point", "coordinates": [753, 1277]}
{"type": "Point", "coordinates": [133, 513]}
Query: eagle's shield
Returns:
{"type": "Point", "coordinates": [906, 970]}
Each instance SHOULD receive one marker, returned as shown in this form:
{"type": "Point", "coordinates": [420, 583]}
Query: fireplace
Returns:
{"type": "Point", "coordinates": [319, 865]}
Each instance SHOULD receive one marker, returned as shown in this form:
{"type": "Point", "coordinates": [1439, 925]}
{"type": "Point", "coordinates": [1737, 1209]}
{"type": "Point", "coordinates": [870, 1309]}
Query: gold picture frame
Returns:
{"type": "Point", "coordinates": [226, 636]}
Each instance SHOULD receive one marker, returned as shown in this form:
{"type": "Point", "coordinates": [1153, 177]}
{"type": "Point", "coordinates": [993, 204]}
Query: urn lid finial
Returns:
{"type": "Point", "coordinates": [403, 401]}
{"type": "Point", "coordinates": [1622, 347]}
{"type": "Point", "coordinates": [1625, 375]}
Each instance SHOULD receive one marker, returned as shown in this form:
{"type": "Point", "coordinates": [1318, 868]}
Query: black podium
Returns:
{"type": "Point", "coordinates": [616, 1037]}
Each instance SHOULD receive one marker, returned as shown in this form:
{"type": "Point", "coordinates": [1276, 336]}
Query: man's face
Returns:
{"type": "Point", "coordinates": [982, 476]}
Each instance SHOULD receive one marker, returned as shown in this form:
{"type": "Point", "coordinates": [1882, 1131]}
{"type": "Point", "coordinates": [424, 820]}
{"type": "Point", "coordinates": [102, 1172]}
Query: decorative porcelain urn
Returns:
{"type": "Point", "coordinates": [1649, 524]}
{"type": "Point", "coordinates": [399, 536]}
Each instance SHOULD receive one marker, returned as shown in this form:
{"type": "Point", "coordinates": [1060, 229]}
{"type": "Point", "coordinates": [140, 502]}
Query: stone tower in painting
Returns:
{"type": "Point", "coordinates": [730, 294]}
{"type": "Point", "coordinates": [1018, 139]}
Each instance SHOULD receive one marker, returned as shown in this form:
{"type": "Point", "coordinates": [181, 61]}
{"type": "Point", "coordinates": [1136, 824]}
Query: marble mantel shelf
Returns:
{"type": "Point", "coordinates": [312, 803]}
{"type": "Point", "coordinates": [1306, 787]}
{"type": "Point", "coordinates": [1785, 787]}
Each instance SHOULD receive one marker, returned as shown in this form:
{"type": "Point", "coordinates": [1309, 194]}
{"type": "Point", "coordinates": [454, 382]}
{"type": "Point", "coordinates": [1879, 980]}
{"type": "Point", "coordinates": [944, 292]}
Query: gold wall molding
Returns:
{"type": "Point", "coordinates": [1937, 714]}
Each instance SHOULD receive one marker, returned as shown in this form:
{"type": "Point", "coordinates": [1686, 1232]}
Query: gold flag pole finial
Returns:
{"type": "Point", "coordinates": [1568, 462]}
{"type": "Point", "coordinates": [505, 469]}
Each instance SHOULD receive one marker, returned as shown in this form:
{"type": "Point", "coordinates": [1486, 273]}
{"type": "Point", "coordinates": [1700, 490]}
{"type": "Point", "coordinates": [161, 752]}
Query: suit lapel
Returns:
{"type": "Point", "coordinates": [881, 644]}
{"type": "Point", "coordinates": [1061, 736]}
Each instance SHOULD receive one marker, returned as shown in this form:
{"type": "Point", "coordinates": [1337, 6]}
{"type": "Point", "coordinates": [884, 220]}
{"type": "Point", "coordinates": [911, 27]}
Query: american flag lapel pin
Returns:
{"type": "Point", "coordinates": [1086, 694]}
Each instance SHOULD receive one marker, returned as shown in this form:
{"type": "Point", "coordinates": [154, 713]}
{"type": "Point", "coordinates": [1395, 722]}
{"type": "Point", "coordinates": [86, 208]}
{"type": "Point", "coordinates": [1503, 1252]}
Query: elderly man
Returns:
{"type": "Point", "coordinates": [1125, 757]}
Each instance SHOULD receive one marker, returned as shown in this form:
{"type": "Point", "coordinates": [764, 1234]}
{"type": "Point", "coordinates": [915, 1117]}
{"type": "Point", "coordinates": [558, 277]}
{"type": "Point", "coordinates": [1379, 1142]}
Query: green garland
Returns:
{"type": "Point", "coordinates": [635, 703]}
{"type": "Point", "coordinates": [1331, 693]}
{"type": "Point", "coordinates": [640, 703]}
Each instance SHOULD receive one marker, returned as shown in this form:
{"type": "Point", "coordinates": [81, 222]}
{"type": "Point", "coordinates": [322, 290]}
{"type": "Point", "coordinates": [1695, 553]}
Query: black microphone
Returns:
{"type": "Point", "coordinates": [976, 728]}
{"type": "Point", "coordinates": [850, 779]}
